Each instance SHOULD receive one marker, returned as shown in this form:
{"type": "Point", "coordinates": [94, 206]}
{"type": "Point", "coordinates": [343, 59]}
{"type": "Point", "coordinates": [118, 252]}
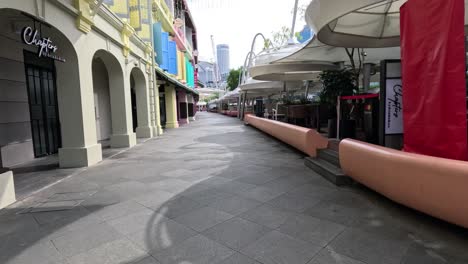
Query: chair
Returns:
{"type": "Point", "coordinates": [279, 111]}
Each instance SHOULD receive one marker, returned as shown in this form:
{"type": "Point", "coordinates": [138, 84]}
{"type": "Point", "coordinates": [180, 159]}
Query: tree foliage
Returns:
{"type": "Point", "coordinates": [278, 38]}
{"type": "Point", "coordinates": [233, 78]}
{"type": "Point", "coordinates": [337, 83]}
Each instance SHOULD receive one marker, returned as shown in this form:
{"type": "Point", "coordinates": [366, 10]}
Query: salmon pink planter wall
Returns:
{"type": "Point", "coordinates": [435, 186]}
{"type": "Point", "coordinates": [304, 139]}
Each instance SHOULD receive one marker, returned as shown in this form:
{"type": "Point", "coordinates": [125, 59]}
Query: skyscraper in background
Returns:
{"type": "Point", "coordinates": [222, 51]}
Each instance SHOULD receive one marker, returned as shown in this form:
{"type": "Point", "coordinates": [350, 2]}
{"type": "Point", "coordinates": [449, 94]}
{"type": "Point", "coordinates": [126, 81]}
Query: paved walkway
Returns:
{"type": "Point", "coordinates": [217, 192]}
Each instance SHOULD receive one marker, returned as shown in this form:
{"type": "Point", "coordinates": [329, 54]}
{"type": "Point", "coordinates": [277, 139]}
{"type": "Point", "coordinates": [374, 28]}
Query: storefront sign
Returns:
{"type": "Point", "coordinates": [45, 45]}
{"type": "Point", "coordinates": [393, 107]}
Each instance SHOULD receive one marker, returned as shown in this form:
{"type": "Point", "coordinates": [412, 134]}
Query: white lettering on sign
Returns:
{"type": "Point", "coordinates": [45, 45]}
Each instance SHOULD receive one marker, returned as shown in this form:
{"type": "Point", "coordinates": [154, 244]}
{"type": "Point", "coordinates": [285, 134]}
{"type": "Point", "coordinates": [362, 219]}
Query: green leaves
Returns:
{"type": "Point", "coordinates": [337, 83]}
{"type": "Point", "coordinates": [233, 78]}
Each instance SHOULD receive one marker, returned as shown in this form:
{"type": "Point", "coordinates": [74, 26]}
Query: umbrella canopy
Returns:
{"type": "Point", "coordinates": [264, 88]}
{"type": "Point", "coordinates": [316, 51]}
{"type": "Point", "coordinates": [357, 23]}
{"type": "Point", "coordinates": [263, 68]}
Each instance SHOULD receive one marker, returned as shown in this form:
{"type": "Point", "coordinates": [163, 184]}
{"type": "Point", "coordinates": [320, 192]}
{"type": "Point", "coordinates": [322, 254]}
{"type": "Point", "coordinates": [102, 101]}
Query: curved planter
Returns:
{"type": "Point", "coordinates": [435, 186]}
{"type": "Point", "coordinates": [304, 139]}
{"type": "Point", "coordinates": [232, 113]}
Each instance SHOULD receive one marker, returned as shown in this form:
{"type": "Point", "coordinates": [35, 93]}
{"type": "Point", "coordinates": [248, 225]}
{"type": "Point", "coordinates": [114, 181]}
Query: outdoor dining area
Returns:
{"type": "Point", "coordinates": [347, 84]}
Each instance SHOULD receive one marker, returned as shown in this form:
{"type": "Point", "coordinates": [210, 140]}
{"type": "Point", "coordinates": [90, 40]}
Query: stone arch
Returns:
{"type": "Point", "coordinates": [120, 99]}
{"type": "Point", "coordinates": [78, 147]}
{"type": "Point", "coordinates": [138, 83]}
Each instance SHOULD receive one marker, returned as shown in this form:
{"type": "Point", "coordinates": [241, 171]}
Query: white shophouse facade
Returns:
{"type": "Point", "coordinates": [49, 106]}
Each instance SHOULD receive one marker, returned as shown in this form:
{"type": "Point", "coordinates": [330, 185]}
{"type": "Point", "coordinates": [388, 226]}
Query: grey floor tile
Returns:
{"type": "Point", "coordinates": [171, 185]}
{"type": "Point", "coordinates": [236, 233]}
{"type": "Point", "coordinates": [234, 187]}
{"type": "Point", "coordinates": [71, 196]}
{"type": "Point", "coordinates": [267, 215]}
{"type": "Point", "coordinates": [208, 162]}
{"type": "Point", "coordinates": [101, 199]}
{"type": "Point", "coordinates": [369, 247]}
{"type": "Point", "coordinates": [118, 251]}
{"type": "Point", "coordinates": [345, 215]}
{"type": "Point", "coordinates": [75, 242]}
{"type": "Point", "coordinates": [155, 200]}
{"type": "Point", "coordinates": [203, 218]}
{"type": "Point", "coordinates": [261, 194]}
{"type": "Point", "coordinates": [282, 184]}
{"type": "Point", "coordinates": [234, 205]}
{"type": "Point", "coordinates": [49, 206]}
{"type": "Point", "coordinates": [238, 258]}
{"type": "Point", "coordinates": [37, 253]}
{"type": "Point", "coordinates": [195, 250]}
{"type": "Point", "coordinates": [295, 203]}
{"type": "Point", "coordinates": [163, 233]}
{"type": "Point", "coordinates": [314, 190]}
{"type": "Point", "coordinates": [17, 222]}
{"type": "Point", "coordinates": [61, 226]}
{"type": "Point", "coordinates": [276, 247]}
{"type": "Point", "coordinates": [207, 196]}
{"type": "Point", "coordinates": [148, 260]}
{"type": "Point", "coordinates": [311, 229]}
{"type": "Point", "coordinates": [214, 181]}
{"type": "Point", "coordinates": [258, 178]}
{"type": "Point", "coordinates": [179, 206]}
{"type": "Point", "coordinates": [326, 256]}
{"type": "Point", "coordinates": [128, 188]}
{"type": "Point", "coordinates": [48, 218]}
{"type": "Point", "coordinates": [117, 210]}
{"type": "Point", "coordinates": [133, 222]}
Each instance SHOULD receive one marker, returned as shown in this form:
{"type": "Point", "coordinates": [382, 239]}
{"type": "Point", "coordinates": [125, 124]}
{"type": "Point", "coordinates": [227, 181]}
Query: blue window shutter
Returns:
{"type": "Point", "coordinates": [158, 42]}
{"type": "Point", "coordinates": [190, 74]}
{"type": "Point", "coordinates": [165, 50]}
{"type": "Point", "coordinates": [172, 57]}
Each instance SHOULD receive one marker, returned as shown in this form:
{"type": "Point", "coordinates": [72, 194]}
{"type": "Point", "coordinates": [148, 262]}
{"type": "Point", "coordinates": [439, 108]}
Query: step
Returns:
{"type": "Point", "coordinates": [330, 156]}
{"type": "Point", "coordinates": [328, 170]}
{"type": "Point", "coordinates": [334, 144]}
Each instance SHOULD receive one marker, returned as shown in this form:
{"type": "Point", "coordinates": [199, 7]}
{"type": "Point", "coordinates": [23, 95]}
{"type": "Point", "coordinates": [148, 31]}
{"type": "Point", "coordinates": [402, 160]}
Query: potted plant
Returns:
{"type": "Point", "coordinates": [335, 83]}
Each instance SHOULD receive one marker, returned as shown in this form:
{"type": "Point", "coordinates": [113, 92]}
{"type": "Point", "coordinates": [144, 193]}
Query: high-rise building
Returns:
{"type": "Point", "coordinates": [222, 51]}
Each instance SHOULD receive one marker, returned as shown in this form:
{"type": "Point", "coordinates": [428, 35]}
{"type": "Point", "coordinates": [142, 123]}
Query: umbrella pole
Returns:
{"type": "Point", "coordinates": [338, 116]}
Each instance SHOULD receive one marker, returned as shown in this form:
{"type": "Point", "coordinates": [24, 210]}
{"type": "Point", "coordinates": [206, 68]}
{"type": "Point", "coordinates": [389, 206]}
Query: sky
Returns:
{"type": "Point", "coordinates": [235, 22]}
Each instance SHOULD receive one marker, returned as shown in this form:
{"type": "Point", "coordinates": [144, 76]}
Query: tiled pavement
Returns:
{"type": "Point", "coordinates": [217, 192]}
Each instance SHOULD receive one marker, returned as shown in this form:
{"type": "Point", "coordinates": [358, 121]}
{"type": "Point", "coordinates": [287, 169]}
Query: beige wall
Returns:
{"type": "Point", "coordinates": [75, 87]}
{"type": "Point", "coordinates": [15, 129]}
{"type": "Point", "coordinates": [102, 101]}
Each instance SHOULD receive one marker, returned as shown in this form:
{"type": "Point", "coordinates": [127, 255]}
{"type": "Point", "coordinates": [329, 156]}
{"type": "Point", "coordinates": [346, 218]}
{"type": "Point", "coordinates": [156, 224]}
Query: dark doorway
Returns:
{"type": "Point", "coordinates": [162, 106]}
{"type": "Point", "coordinates": [134, 110]}
{"type": "Point", "coordinates": [43, 107]}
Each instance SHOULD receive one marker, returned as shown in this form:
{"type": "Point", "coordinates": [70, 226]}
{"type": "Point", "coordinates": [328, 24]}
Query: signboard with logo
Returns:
{"type": "Point", "coordinates": [393, 107]}
{"type": "Point", "coordinates": [46, 46]}
{"type": "Point", "coordinates": [391, 104]}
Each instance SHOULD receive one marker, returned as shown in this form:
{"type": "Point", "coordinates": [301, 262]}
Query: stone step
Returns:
{"type": "Point", "coordinates": [330, 156]}
{"type": "Point", "coordinates": [328, 170]}
{"type": "Point", "coordinates": [333, 144]}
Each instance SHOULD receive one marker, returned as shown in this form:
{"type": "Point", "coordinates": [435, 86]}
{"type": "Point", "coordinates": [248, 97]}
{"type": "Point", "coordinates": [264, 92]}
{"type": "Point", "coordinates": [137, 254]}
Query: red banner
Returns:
{"type": "Point", "coordinates": [433, 71]}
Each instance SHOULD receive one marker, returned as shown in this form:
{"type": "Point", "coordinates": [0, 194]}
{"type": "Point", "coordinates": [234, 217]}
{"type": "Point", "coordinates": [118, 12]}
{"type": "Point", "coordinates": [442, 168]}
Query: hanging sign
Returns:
{"type": "Point", "coordinates": [393, 107]}
{"type": "Point", "coordinates": [45, 45]}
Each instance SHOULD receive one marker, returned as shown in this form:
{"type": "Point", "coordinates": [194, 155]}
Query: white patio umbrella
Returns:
{"type": "Point", "coordinates": [358, 23]}
{"type": "Point", "coordinates": [315, 50]}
